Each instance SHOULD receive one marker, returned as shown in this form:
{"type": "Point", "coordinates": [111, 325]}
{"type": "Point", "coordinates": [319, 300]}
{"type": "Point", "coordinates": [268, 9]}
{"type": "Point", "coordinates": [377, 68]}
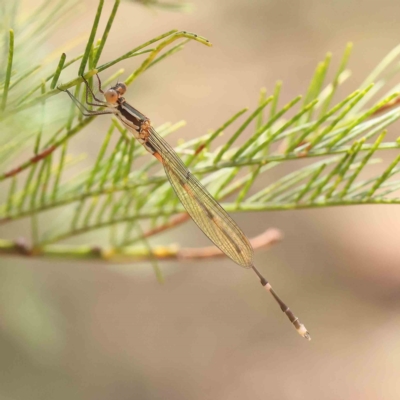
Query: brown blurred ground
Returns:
{"type": "Point", "coordinates": [210, 332]}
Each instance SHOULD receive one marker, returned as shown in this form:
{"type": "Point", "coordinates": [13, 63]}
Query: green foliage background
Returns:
{"type": "Point", "coordinates": [127, 194]}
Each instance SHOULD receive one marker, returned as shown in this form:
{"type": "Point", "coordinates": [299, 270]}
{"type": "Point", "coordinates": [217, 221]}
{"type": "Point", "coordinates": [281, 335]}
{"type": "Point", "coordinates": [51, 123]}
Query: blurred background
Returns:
{"type": "Point", "coordinates": [71, 330]}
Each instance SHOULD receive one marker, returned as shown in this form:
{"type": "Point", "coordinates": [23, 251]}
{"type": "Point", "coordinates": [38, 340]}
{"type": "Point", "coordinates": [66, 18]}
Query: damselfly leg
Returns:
{"type": "Point", "coordinates": [83, 109]}
{"type": "Point", "coordinates": [100, 103]}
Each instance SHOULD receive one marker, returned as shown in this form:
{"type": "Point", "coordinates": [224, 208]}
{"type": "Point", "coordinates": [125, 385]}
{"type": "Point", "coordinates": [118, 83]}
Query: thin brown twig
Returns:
{"type": "Point", "coordinates": [387, 106]}
{"type": "Point", "coordinates": [180, 219]}
{"type": "Point", "coordinates": [33, 160]}
{"type": "Point", "coordinates": [46, 152]}
{"type": "Point", "coordinates": [128, 254]}
{"type": "Point", "coordinates": [264, 240]}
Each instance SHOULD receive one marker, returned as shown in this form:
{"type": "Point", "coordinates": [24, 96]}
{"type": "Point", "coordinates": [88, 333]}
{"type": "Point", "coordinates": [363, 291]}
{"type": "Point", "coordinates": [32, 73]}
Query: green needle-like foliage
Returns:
{"type": "Point", "coordinates": [331, 143]}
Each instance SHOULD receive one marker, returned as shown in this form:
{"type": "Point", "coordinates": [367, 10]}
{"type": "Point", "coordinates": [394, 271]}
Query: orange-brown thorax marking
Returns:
{"type": "Point", "coordinates": [158, 156]}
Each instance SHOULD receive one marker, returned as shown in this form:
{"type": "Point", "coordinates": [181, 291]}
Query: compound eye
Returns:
{"type": "Point", "coordinates": [120, 88]}
{"type": "Point", "coordinates": [111, 96]}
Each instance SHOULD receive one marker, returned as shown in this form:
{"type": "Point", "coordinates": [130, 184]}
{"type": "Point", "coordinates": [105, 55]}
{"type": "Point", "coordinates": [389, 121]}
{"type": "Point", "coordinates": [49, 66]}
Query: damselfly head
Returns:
{"type": "Point", "coordinates": [120, 88]}
{"type": "Point", "coordinates": [111, 96]}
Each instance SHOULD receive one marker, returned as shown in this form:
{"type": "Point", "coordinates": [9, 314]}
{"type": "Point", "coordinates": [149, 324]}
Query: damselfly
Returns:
{"type": "Point", "coordinates": [205, 211]}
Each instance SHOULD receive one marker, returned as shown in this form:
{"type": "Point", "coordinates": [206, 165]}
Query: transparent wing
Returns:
{"type": "Point", "coordinates": [205, 211]}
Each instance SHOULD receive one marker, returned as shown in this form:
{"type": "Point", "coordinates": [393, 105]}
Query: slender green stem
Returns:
{"type": "Point", "coordinates": [307, 187]}
{"type": "Point", "coordinates": [91, 38]}
{"type": "Point", "coordinates": [214, 135]}
{"type": "Point", "coordinates": [27, 188]}
{"type": "Point", "coordinates": [283, 128]}
{"type": "Point", "coordinates": [319, 122]}
{"type": "Point", "coordinates": [345, 167]}
{"type": "Point", "coordinates": [246, 123]}
{"type": "Point", "coordinates": [135, 51]}
{"type": "Point", "coordinates": [106, 32]}
{"type": "Point", "coordinates": [160, 47]}
{"type": "Point", "coordinates": [336, 80]}
{"type": "Point", "coordinates": [363, 163]}
{"type": "Point", "coordinates": [382, 178]}
{"type": "Point", "coordinates": [261, 99]}
{"type": "Point", "coordinates": [39, 135]}
{"type": "Point", "coordinates": [8, 71]}
{"type": "Point", "coordinates": [319, 137]}
{"type": "Point", "coordinates": [265, 128]}
{"type": "Point", "coordinates": [275, 95]}
{"type": "Point", "coordinates": [367, 114]}
{"type": "Point", "coordinates": [46, 180]}
{"type": "Point", "coordinates": [168, 53]}
{"type": "Point", "coordinates": [58, 71]}
{"type": "Point", "coordinates": [59, 171]}
{"type": "Point", "coordinates": [11, 192]}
